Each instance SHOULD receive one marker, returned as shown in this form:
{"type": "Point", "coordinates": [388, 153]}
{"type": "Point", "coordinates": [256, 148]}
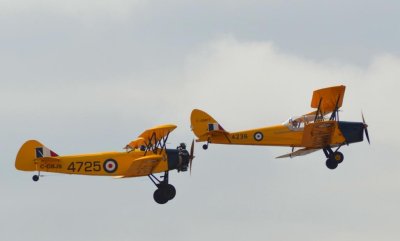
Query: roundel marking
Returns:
{"type": "Point", "coordinates": [258, 136]}
{"type": "Point", "coordinates": [110, 165]}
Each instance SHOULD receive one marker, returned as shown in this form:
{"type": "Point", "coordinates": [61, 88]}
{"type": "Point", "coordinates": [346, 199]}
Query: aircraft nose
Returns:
{"type": "Point", "coordinates": [352, 131]}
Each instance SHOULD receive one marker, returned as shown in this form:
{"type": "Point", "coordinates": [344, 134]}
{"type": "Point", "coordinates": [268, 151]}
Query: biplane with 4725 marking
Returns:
{"type": "Point", "coordinates": [144, 156]}
{"type": "Point", "coordinates": [320, 129]}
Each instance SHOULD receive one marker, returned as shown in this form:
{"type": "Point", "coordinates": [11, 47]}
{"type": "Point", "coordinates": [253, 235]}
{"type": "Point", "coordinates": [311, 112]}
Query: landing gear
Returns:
{"type": "Point", "coordinates": [338, 157]}
{"type": "Point", "coordinates": [334, 157]}
{"type": "Point", "coordinates": [165, 191]}
{"type": "Point", "coordinates": [205, 146]}
{"type": "Point", "coordinates": [35, 178]}
{"type": "Point", "coordinates": [331, 164]}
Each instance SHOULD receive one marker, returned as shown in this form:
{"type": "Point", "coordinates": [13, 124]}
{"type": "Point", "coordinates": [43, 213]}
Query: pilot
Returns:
{"type": "Point", "coordinates": [182, 146]}
{"type": "Point", "coordinates": [182, 163]}
{"type": "Point", "coordinates": [295, 123]}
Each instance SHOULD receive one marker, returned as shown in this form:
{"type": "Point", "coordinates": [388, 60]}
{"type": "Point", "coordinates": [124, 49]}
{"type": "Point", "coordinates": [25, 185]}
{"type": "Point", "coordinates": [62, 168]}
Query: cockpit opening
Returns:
{"type": "Point", "coordinates": [297, 123]}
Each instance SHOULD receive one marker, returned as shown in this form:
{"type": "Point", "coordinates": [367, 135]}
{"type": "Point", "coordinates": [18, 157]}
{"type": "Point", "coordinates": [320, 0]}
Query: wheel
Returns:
{"type": "Point", "coordinates": [159, 197]}
{"type": "Point", "coordinates": [205, 146]}
{"type": "Point", "coordinates": [331, 164]}
{"type": "Point", "coordinates": [35, 178]}
{"type": "Point", "coordinates": [338, 157]}
{"type": "Point", "coordinates": [169, 191]}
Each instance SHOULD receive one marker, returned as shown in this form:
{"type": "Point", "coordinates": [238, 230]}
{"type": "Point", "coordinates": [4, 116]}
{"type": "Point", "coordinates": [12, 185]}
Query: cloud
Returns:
{"type": "Point", "coordinates": [74, 8]}
{"type": "Point", "coordinates": [250, 84]}
{"type": "Point", "coordinates": [243, 84]}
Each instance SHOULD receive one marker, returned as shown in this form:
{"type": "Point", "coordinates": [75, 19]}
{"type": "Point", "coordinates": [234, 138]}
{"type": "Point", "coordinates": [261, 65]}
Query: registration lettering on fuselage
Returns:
{"type": "Point", "coordinates": [239, 136]}
{"type": "Point", "coordinates": [51, 166]}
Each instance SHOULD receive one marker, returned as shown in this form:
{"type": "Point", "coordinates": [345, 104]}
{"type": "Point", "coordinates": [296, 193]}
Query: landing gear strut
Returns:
{"type": "Point", "coordinates": [205, 146]}
{"type": "Point", "coordinates": [165, 191]}
{"type": "Point", "coordinates": [334, 157]}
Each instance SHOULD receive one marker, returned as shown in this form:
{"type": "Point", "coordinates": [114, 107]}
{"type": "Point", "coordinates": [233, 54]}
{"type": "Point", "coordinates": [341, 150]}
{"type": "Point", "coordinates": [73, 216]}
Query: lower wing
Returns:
{"type": "Point", "coordinates": [300, 152]}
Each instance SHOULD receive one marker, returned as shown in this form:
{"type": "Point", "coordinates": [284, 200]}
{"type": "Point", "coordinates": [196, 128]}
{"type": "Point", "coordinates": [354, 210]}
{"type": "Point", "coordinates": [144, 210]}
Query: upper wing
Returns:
{"type": "Point", "coordinates": [143, 166]}
{"type": "Point", "coordinates": [154, 135]}
{"type": "Point", "coordinates": [328, 99]}
{"type": "Point", "coordinates": [152, 138]}
{"type": "Point", "coordinates": [300, 152]}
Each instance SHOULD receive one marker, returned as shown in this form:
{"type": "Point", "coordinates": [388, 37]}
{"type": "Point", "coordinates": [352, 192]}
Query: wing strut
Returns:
{"type": "Point", "coordinates": [335, 112]}
{"type": "Point", "coordinates": [319, 111]}
{"type": "Point", "coordinates": [160, 144]}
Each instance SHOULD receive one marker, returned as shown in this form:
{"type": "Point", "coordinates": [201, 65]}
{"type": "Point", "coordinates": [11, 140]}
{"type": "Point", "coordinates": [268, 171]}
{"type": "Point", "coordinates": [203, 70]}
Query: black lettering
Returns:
{"type": "Point", "coordinates": [80, 165]}
{"type": "Point", "coordinates": [96, 166]}
{"type": "Point", "coordinates": [71, 167]}
{"type": "Point", "coordinates": [88, 166]}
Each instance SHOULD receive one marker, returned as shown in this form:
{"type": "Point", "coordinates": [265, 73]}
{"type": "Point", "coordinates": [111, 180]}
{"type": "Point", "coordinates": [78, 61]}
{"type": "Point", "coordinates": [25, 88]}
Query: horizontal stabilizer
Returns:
{"type": "Point", "coordinates": [214, 134]}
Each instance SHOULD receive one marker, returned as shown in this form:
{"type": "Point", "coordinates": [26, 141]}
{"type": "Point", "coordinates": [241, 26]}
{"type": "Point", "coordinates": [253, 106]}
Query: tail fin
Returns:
{"type": "Point", "coordinates": [29, 152]}
{"type": "Point", "coordinates": [203, 125]}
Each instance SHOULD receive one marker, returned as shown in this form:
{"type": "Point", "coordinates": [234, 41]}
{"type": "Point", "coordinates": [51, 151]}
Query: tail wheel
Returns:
{"type": "Point", "coordinates": [35, 178]}
{"type": "Point", "coordinates": [331, 164]}
{"type": "Point", "coordinates": [338, 157]}
{"type": "Point", "coordinates": [205, 146]}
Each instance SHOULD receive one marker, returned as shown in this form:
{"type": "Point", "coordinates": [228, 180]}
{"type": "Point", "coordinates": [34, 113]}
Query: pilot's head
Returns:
{"type": "Point", "coordinates": [182, 145]}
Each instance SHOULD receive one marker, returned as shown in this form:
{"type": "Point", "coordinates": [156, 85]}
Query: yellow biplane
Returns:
{"type": "Point", "coordinates": [320, 129]}
{"type": "Point", "coordinates": [143, 157]}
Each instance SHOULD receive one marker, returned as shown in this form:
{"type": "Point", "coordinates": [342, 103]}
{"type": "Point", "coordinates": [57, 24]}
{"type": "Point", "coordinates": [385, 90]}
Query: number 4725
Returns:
{"type": "Point", "coordinates": [85, 166]}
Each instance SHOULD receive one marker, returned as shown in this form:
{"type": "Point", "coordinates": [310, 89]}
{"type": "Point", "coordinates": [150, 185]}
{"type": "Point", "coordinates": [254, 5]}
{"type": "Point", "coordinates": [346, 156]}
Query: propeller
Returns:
{"type": "Point", "coordinates": [365, 127]}
{"type": "Point", "coordinates": [191, 157]}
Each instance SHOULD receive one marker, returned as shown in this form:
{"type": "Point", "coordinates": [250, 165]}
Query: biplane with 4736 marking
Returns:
{"type": "Point", "coordinates": [143, 157]}
{"type": "Point", "coordinates": [320, 129]}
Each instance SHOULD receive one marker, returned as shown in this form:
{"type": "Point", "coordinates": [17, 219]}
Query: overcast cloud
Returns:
{"type": "Point", "coordinates": [87, 76]}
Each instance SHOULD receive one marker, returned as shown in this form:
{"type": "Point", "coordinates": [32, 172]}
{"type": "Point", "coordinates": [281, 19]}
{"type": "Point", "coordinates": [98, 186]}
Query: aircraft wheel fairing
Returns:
{"type": "Point", "coordinates": [159, 196]}
{"type": "Point", "coordinates": [338, 157]}
{"type": "Point", "coordinates": [331, 164]}
{"type": "Point", "coordinates": [35, 178]}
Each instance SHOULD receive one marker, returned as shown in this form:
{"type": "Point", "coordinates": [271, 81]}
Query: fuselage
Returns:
{"type": "Point", "coordinates": [106, 163]}
{"type": "Point", "coordinates": [337, 133]}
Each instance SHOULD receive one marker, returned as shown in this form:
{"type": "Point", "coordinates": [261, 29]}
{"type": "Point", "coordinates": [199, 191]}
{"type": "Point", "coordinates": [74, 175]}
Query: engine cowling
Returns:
{"type": "Point", "coordinates": [178, 158]}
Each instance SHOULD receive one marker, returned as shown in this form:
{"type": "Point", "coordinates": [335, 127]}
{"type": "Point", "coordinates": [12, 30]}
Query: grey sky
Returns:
{"type": "Point", "coordinates": [87, 76]}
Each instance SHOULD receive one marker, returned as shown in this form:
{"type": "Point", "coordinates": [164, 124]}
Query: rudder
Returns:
{"type": "Point", "coordinates": [29, 152]}
{"type": "Point", "coordinates": [202, 124]}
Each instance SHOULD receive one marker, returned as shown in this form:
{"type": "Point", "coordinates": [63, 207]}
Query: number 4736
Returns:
{"type": "Point", "coordinates": [85, 166]}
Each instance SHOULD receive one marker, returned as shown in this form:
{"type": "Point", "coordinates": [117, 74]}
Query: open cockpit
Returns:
{"type": "Point", "coordinates": [297, 123]}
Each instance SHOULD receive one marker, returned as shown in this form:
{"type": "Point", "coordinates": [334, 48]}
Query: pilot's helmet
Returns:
{"type": "Point", "coordinates": [183, 145]}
